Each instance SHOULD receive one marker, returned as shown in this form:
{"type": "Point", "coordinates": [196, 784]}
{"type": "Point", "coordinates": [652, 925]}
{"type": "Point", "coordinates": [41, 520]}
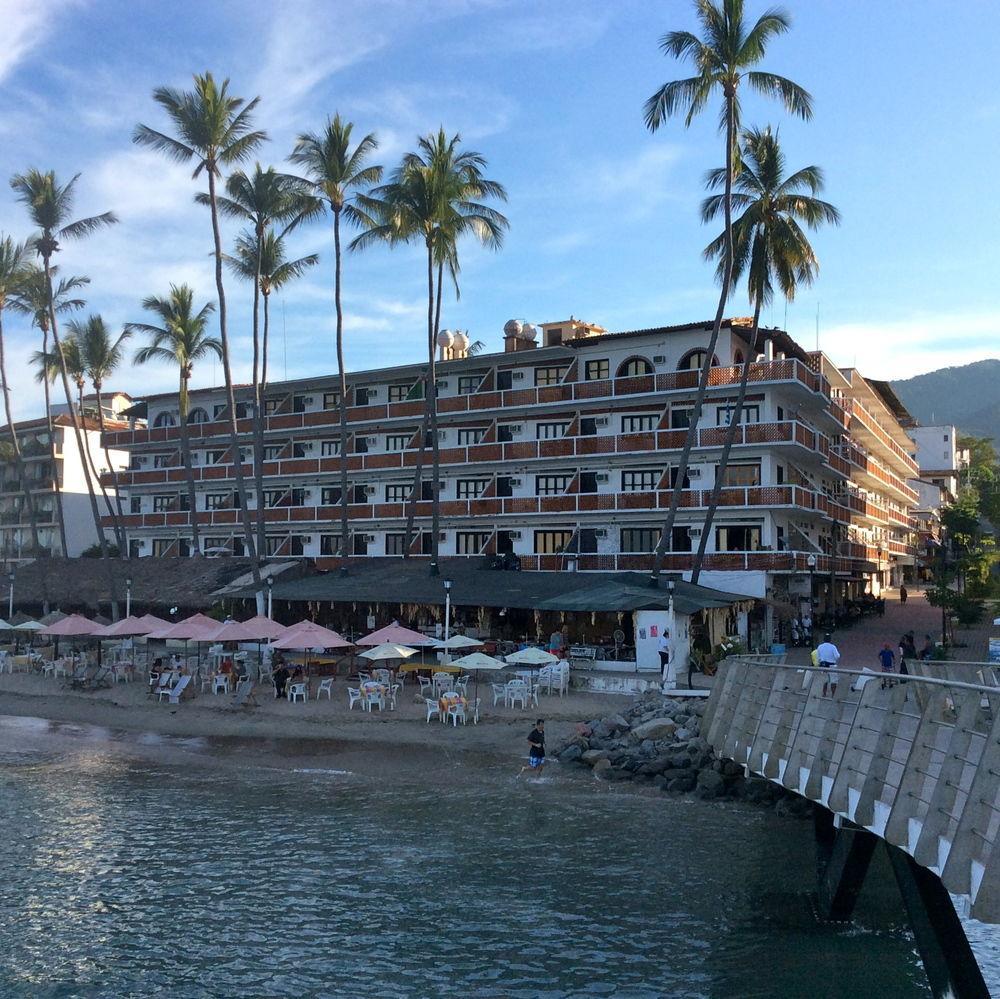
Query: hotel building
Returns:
{"type": "Point", "coordinates": [562, 450]}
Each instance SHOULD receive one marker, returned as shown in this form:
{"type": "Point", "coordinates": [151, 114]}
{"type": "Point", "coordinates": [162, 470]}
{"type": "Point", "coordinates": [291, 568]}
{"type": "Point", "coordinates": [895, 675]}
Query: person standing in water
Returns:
{"type": "Point", "coordinates": [536, 748]}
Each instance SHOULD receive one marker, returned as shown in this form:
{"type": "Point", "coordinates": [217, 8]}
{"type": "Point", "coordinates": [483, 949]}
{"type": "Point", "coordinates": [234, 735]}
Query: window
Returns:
{"type": "Point", "coordinates": [505, 542]}
{"type": "Point", "coordinates": [505, 486]}
{"type": "Point", "coordinates": [741, 475]}
{"type": "Point", "coordinates": [330, 495]}
{"type": "Point", "coordinates": [218, 409]}
{"type": "Point", "coordinates": [680, 419]}
{"type": "Point", "coordinates": [586, 541]}
{"type": "Point", "coordinates": [360, 544]}
{"type": "Point", "coordinates": [359, 494]}
{"type": "Point", "coordinates": [505, 432]}
{"type": "Point", "coordinates": [694, 359]}
{"type": "Point", "coordinates": [198, 415]}
{"type": "Point", "coordinates": [737, 538]}
{"type": "Point", "coordinates": [588, 482]}
{"type": "Point", "coordinates": [331, 400]}
{"type": "Point", "coordinates": [640, 424]}
{"type": "Point", "coordinates": [273, 451]}
{"type": "Point", "coordinates": [588, 426]}
{"type": "Point", "coordinates": [680, 540]}
{"type": "Point", "coordinates": [550, 431]}
{"type": "Point", "coordinates": [470, 542]}
{"type": "Point", "coordinates": [398, 393]}
{"type": "Point", "coordinates": [162, 461]}
{"type": "Point", "coordinates": [396, 492]}
{"type": "Point", "coordinates": [395, 544]}
{"type": "Point", "coordinates": [329, 544]}
{"type": "Point", "coordinates": [300, 450]}
{"type": "Point", "coordinates": [640, 539]}
{"type": "Point", "coordinates": [360, 444]}
{"type": "Point", "coordinates": [595, 370]}
{"type": "Point", "coordinates": [329, 449]}
{"type": "Point", "coordinates": [276, 497]}
{"type": "Point", "coordinates": [640, 480]}
{"type": "Point", "coordinates": [551, 542]}
{"type": "Point", "coordinates": [467, 384]}
{"type": "Point", "coordinates": [397, 442]}
{"type": "Point", "coordinates": [216, 501]}
{"type": "Point", "coordinates": [298, 406]}
{"type": "Point", "coordinates": [724, 415]}
{"type": "Point", "coordinates": [471, 488]}
{"type": "Point", "coordinates": [550, 375]}
{"type": "Point", "coordinates": [164, 419]}
{"type": "Point", "coordinates": [135, 504]}
{"type": "Point", "coordinates": [551, 485]}
{"type": "Point", "coordinates": [134, 549]}
{"type": "Point", "coordinates": [505, 380]}
{"type": "Point", "coordinates": [363, 395]}
{"type": "Point", "coordinates": [163, 546]}
{"type": "Point", "coordinates": [471, 435]}
{"type": "Point", "coordinates": [215, 544]}
{"type": "Point", "coordinates": [271, 406]}
{"type": "Point", "coordinates": [634, 367]}
{"type": "Point", "coordinates": [163, 503]}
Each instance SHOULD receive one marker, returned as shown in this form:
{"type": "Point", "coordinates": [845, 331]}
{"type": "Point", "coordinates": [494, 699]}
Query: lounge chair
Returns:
{"type": "Point", "coordinates": [245, 696]}
{"type": "Point", "coordinates": [176, 692]}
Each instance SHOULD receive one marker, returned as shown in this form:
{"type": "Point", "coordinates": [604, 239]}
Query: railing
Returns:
{"type": "Point", "coordinates": [855, 456]}
{"type": "Point", "coordinates": [867, 419]}
{"type": "Point", "coordinates": [915, 762]}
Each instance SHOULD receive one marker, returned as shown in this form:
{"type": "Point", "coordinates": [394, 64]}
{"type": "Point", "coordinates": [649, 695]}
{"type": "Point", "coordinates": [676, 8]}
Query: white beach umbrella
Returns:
{"type": "Point", "coordinates": [29, 626]}
{"type": "Point", "coordinates": [457, 642]}
{"type": "Point", "coordinates": [531, 656]}
{"type": "Point", "coordinates": [4, 626]}
{"type": "Point", "coordinates": [388, 650]}
{"type": "Point", "coordinates": [476, 661]}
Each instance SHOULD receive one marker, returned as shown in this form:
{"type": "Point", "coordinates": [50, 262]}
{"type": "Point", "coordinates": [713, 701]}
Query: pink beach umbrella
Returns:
{"type": "Point", "coordinates": [267, 629]}
{"type": "Point", "coordinates": [71, 627]}
{"type": "Point", "coordinates": [154, 622]}
{"type": "Point", "coordinates": [307, 635]}
{"type": "Point", "coordinates": [127, 627]}
{"type": "Point", "coordinates": [196, 628]}
{"type": "Point", "coordinates": [395, 634]}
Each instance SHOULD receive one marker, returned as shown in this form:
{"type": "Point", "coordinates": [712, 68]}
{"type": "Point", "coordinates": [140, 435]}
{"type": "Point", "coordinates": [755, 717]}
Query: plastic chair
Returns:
{"type": "Point", "coordinates": [393, 691]}
{"type": "Point", "coordinates": [517, 690]}
{"type": "Point", "coordinates": [473, 709]}
{"type": "Point", "coordinates": [363, 677]}
{"type": "Point", "coordinates": [382, 675]}
{"type": "Point", "coordinates": [433, 708]}
{"type": "Point", "coordinates": [499, 693]}
{"type": "Point", "coordinates": [456, 711]}
{"type": "Point", "coordinates": [325, 687]}
{"type": "Point", "coordinates": [220, 682]}
{"type": "Point", "coordinates": [353, 696]}
{"type": "Point", "coordinates": [425, 685]}
{"type": "Point", "coordinates": [373, 697]}
{"type": "Point", "coordinates": [462, 684]}
{"type": "Point", "coordinates": [297, 690]}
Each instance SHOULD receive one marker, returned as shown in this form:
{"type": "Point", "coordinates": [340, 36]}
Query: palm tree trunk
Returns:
{"type": "Point", "coordinates": [22, 474]}
{"type": "Point", "coordinates": [735, 422]}
{"type": "Point", "coordinates": [182, 414]}
{"type": "Point", "coordinates": [258, 406]}
{"type": "Point", "coordinates": [83, 449]}
{"type": "Point", "coordinates": [264, 348]}
{"type": "Point", "coordinates": [342, 402]}
{"type": "Point", "coordinates": [234, 433]}
{"type": "Point", "coordinates": [92, 464]}
{"type": "Point", "coordinates": [432, 410]}
{"type": "Point", "coordinates": [117, 513]}
{"type": "Point", "coordinates": [666, 535]}
{"type": "Point", "coordinates": [56, 487]}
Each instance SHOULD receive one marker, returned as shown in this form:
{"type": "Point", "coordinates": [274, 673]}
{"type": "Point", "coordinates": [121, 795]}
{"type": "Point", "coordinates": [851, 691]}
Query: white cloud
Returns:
{"type": "Point", "coordinates": [26, 23]}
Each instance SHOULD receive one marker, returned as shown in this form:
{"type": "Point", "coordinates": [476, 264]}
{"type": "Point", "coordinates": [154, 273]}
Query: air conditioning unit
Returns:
{"type": "Point", "coordinates": [514, 535]}
{"type": "Point", "coordinates": [515, 482]}
{"type": "Point", "coordinates": [694, 473]}
{"type": "Point", "coordinates": [308, 400]}
{"type": "Point", "coordinates": [371, 490]}
{"type": "Point", "coordinates": [517, 376]}
{"type": "Point", "coordinates": [694, 532]}
{"type": "Point", "coordinates": [601, 532]}
{"type": "Point", "coordinates": [368, 538]}
{"type": "Point", "coordinates": [601, 421]}
{"type": "Point", "coordinates": [308, 446]}
{"type": "Point", "coordinates": [659, 359]}
{"type": "Point", "coordinates": [372, 441]}
{"type": "Point", "coordinates": [515, 428]}
{"type": "Point", "coordinates": [602, 477]}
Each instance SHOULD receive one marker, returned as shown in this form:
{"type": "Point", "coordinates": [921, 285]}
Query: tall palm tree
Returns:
{"type": "Point", "coordinates": [769, 246]}
{"type": "Point", "coordinates": [31, 298]}
{"type": "Point", "coordinates": [214, 130]}
{"type": "Point", "coordinates": [724, 58]}
{"type": "Point", "coordinates": [264, 198]}
{"type": "Point", "coordinates": [102, 355]}
{"type": "Point", "coordinates": [435, 196]}
{"type": "Point", "coordinates": [181, 339]}
{"type": "Point", "coordinates": [13, 261]}
{"type": "Point", "coordinates": [338, 174]}
{"type": "Point", "coordinates": [50, 207]}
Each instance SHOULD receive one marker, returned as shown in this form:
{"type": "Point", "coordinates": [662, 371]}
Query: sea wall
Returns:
{"type": "Point", "coordinates": [658, 741]}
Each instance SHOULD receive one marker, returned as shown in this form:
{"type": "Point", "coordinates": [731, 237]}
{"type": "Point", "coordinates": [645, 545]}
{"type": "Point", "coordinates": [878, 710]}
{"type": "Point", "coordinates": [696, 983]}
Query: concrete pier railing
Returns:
{"type": "Point", "coordinates": [915, 760]}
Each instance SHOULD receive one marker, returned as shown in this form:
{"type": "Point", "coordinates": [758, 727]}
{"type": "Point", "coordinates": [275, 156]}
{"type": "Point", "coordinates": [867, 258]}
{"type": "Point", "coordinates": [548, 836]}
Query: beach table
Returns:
{"type": "Point", "coordinates": [450, 700]}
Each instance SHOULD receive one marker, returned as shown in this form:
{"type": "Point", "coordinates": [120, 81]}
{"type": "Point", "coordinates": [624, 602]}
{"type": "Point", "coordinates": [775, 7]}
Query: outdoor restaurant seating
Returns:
{"type": "Point", "coordinates": [325, 687]}
{"type": "Point", "coordinates": [220, 683]}
{"type": "Point", "coordinates": [297, 691]}
{"type": "Point", "coordinates": [433, 708]}
{"type": "Point", "coordinates": [353, 696]}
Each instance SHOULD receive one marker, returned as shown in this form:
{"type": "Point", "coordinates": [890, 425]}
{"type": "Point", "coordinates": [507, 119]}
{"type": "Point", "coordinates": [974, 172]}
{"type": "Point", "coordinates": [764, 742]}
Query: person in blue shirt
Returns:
{"type": "Point", "coordinates": [887, 659]}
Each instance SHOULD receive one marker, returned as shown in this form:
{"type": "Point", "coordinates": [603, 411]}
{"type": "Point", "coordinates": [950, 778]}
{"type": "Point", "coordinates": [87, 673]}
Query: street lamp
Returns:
{"type": "Point", "coordinates": [270, 596]}
{"type": "Point", "coordinates": [811, 562]}
{"type": "Point", "coordinates": [10, 597]}
{"type": "Point", "coordinates": [128, 596]}
{"type": "Point", "coordinates": [447, 615]}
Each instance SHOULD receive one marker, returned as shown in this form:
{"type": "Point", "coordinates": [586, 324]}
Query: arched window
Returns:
{"type": "Point", "coordinates": [164, 419]}
{"type": "Point", "coordinates": [198, 415]}
{"type": "Point", "coordinates": [635, 366]}
{"type": "Point", "coordinates": [738, 357]}
{"type": "Point", "coordinates": [694, 359]}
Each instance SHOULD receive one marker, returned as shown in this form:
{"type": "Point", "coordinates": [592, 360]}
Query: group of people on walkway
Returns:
{"type": "Point", "coordinates": [827, 655]}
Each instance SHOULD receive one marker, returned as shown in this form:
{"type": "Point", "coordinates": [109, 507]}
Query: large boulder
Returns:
{"type": "Point", "coordinates": [592, 756]}
{"type": "Point", "coordinates": [710, 784]}
{"type": "Point", "coordinates": [616, 724]}
{"type": "Point", "coordinates": [653, 767]}
{"type": "Point", "coordinates": [683, 734]}
{"type": "Point", "coordinates": [656, 728]}
{"type": "Point", "coordinates": [570, 754]}
{"type": "Point", "coordinates": [683, 784]}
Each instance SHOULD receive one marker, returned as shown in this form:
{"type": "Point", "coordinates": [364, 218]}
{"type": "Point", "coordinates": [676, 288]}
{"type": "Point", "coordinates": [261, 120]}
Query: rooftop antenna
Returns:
{"type": "Point", "coordinates": [284, 337]}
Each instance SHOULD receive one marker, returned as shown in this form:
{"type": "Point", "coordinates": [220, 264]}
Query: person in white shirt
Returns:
{"type": "Point", "coordinates": [666, 649]}
{"type": "Point", "coordinates": [828, 655]}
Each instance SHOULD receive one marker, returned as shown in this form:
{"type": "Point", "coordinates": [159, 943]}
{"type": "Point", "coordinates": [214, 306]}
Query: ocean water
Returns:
{"type": "Point", "coordinates": [146, 866]}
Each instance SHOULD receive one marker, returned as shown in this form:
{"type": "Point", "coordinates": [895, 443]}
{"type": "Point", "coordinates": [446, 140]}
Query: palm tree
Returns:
{"type": "Point", "coordinates": [50, 207]}
{"type": "Point", "coordinates": [214, 130]}
{"type": "Point", "coordinates": [264, 198]}
{"type": "Point", "coordinates": [31, 298]}
{"type": "Point", "coordinates": [13, 260]}
{"type": "Point", "coordinates": [724, 58]}
{"type": "Point", "coordinates": [102, 356]}
{"type": "Point", "coordinates": [434, 197]}
{"type": "Point", "coordinates": [768, 246]}
{"type": "Point", "coordinates": [339, 174]}
{"type": "Point", "coordinates": [181, 339]}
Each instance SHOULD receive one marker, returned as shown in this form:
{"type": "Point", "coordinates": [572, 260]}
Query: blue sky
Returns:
{"type": "Point", "coordinates": [604, 216]}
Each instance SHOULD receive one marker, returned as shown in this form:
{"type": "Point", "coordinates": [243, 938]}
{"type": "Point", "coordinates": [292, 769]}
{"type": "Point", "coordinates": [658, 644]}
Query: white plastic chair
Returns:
{"type": "Point", "coordinates": [382, 675]}
{"type": "Point", "coordinates": [296, 691]}
{"type": "Point", "coordinates": [325, 687]}
{"type": "Point", "coordinates": [425, 685]}
{"type": "Point", "coordinates": [363, 677]}
{"type": "Point", "coordinates": [441, 682]}
{"type": "Point", "coordinates": [473, 709]}
{"type": "Point", "coordinates": [353, 696]}
{"type": "Point", "coordinates": [220, 683]}
{"type": "Point", "coordinates": [456, 711]}
{"type": "Point", "coordinates": [59, 668]}
{"type": "Point", "coordinates": [462, 684]}
{"type": "Point", "coordinates": [393, 691]}
{"type": "Point", "coordinates": [499, 693]}
{"type": "Point", "coordinates": [517, 690]}
{"type": "Point", "coordinates": [433, 708]}
{"type": "Point", "coordinates": [373, 697]}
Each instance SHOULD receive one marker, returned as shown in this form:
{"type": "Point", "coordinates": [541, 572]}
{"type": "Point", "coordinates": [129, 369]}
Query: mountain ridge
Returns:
{"type": "Point", "coordinates": [966, 396]}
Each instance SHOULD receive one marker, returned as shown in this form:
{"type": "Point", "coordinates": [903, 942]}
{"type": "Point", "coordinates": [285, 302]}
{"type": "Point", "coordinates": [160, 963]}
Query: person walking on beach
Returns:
{"type": "Point", "coordinates": [828, 655]}
{"type": "Point", "coordinates": [887, 660]}
{"type": "Point", "coordinates": [536, 748]}
{"type": "Point", "coordinates": [902, 593]}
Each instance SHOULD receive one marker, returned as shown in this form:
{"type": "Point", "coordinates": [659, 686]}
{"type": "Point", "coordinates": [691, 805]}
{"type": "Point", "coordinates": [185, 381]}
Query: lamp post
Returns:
{"type": "Point", "coordinates": [270, 596]}
{"type": "Point", "coordinates": [447, 613]}
{"type": "Point", "coordinates": [811, 562]}
{"type": "Point", "coordinates": [128, 596]}
{"type": "Point", "coordinates": [10, 596]}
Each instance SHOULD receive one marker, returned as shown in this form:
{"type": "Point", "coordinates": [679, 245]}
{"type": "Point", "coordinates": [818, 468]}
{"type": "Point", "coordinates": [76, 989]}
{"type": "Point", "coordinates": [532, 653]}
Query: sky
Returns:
{"type": "Point", "coordinates": [604, 216]}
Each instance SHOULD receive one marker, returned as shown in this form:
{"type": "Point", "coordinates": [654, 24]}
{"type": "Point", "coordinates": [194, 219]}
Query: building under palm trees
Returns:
{"type": "Point", "coordinates": [560, 452]}
{"type": "Point", "coordinates": [68, 473]}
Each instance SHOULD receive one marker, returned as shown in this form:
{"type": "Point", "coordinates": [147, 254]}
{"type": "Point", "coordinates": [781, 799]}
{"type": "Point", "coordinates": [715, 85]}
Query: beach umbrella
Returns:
{"type": "Point", "coordinates": [396, 634]}
{"type": "Point", "coordinates": [235, 631]}
{"type": "Point", "coordinates": [71, 627]}
{"type": "Point", "coordinates": [127, 627]}
{"type": "Point", "coordinates": [4, 626]}
{"type": "Point", "coordinates": [52, 617]}
{"type": "Point", "coordinates": [196, 628]}
{"type": "Point", "coordinates": [458, 642]}
{"type": "Point", "coordinates": [29, 626]}
{"type": "Point", "coordinates": [307, 635]}
{"type": "Point", "coordinates": [477, 662]}
{"type": "Point", "coordinates": [388, 650]}
{"type": "Point", "coordinates": [154, 622]}
{"type": "Point", "coordinates": [266, 628]}
{"type": "Point", "coordinates": [532, 657]}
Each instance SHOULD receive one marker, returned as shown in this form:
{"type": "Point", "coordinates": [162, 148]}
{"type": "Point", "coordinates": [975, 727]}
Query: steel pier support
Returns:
{"type": "Point", "coordinates": [843, 856]}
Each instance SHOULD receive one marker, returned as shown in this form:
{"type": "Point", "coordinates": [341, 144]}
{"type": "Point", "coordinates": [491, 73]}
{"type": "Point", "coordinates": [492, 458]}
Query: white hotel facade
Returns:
{"type": "Point", "coordinates": [561, 449]}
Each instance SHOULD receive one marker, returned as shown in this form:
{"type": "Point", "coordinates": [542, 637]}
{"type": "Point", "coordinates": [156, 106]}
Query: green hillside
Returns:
{"type": "Point", "coordinates": [967, 397]}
